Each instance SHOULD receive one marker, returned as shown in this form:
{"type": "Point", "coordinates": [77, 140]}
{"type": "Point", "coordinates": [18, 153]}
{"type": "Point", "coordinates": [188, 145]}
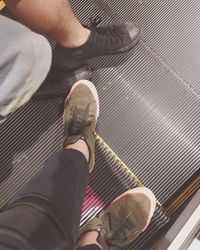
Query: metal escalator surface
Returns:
{"type": "Point", "coordinates": [149, 117]}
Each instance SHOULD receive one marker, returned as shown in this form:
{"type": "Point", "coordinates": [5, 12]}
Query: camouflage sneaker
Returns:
{"type": "Point", "coordinates": [80, 116]}
{"type": "Point", "coordinates": [124, 220]}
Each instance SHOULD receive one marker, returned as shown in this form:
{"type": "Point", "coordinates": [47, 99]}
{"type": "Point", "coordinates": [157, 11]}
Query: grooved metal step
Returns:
{"type": "Point", "coordinates": [150, 110]}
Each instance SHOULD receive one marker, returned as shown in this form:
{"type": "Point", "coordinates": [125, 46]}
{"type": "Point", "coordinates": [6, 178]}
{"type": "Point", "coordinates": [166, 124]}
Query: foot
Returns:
{"type": "Point", "coordinates": [124, 220]}
{"type": "Point", "coordinates": [80, 116]}
{"type": "Point", "coordinates": [59, 81]}
{"type": "Point", "coordinates": [89, 238]}
{"type": "Point", "coordinates": [103, 40]}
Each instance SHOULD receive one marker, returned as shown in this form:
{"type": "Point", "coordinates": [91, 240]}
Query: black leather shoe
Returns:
{"type": "Point", "coordinates": [59, 80]}
{"type": "Point", "coordinates": [70, 64]}
{"type": "Point", "coordinates": [103, 40]}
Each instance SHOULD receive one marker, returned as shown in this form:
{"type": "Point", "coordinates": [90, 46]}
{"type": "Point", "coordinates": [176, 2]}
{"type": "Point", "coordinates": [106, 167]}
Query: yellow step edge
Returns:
{"type": "Point", "coordinates": [2, 5]}
{"type": "Point", "coordinates": [182, 198]}
{"type": "Point", "coordinates": [124, 166]}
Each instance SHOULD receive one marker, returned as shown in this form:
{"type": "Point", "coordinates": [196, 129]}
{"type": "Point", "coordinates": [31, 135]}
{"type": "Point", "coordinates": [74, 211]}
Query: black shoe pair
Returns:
{"type": "Point", "coordinates": [70, 64]}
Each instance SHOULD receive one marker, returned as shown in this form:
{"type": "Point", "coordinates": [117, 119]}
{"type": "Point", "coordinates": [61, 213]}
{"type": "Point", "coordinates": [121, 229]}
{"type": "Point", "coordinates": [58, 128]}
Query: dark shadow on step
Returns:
{"type": "Point", "coordinates": [23, 128]}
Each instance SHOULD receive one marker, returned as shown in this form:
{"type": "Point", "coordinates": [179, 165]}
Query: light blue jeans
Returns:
{"type": "Point", "coordinates": [25, 59]}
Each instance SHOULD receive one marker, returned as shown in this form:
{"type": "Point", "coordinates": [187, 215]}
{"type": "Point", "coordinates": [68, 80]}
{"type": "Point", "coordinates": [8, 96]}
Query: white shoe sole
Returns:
{"type": "Point", "coordinates": [92, 89]}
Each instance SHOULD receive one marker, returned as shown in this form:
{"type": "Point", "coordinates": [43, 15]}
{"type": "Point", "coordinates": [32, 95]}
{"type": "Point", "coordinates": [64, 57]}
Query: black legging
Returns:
{"type": "Point", "coordinates": [45, 214]}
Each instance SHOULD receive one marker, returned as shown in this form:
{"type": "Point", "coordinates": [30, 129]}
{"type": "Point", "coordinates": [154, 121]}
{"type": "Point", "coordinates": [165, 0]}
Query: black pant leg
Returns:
{"type": "Point", "coordinates": [46, 212]}
{"type": "Point", "coordinates": [89, 247]}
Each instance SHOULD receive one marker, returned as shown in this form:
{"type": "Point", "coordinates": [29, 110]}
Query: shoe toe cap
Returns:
{"type": "Point", "coordinates": [133, 30]}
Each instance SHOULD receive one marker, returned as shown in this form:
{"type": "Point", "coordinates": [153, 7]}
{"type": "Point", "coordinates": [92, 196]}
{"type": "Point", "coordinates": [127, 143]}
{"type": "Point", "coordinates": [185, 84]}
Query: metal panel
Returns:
{"type": "Point", "coordinates": [150, 120]}
{"type": "Point", "coordinates": [170, 29]}
{"type": "Point", "coordinates": [150, 114]}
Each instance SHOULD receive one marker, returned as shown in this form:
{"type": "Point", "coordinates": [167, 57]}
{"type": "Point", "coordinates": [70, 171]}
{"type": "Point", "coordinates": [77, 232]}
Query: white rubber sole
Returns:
{"type": "Point", "coordinates": [92, 89]}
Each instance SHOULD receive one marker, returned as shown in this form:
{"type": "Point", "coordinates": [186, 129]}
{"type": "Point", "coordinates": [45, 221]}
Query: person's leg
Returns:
{"type": "Point", "coordinates": [47, 211]}
{"type": "Point", "coordinates": [76, 43]}
{"type": "Point", "coordinates": [45, 214]}
{"type": "Point", "coordinates": [89, 241]}
{"type": "Point", "coordinates": [55, 18]}
{"type": "Point", "coordinates": [24, 63]}
{"type": "Point", "coordinates": [121, 222]}
{"type": "Point", "coordinates": [90, 247]}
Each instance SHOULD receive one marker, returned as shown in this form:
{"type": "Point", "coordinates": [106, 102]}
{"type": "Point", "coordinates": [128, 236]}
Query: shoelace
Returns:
{"type": "Point", "coordinates": [124, 223]}
{"type": "Point", "coordinates": [80, 121]}
{"type": "Point", "coordinates": [94, 22]}
{"type": "Point", "coordinates": [107, 33]}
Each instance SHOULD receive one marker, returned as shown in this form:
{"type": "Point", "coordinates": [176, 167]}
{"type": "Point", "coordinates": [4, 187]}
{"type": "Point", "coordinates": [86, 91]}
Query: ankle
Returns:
{"type": "Point", "coordinates": [75, 39]}
{"type": "Point", "coordinates": [89, 238]}
{"type": "Point", "coordinates": [81, 146]}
